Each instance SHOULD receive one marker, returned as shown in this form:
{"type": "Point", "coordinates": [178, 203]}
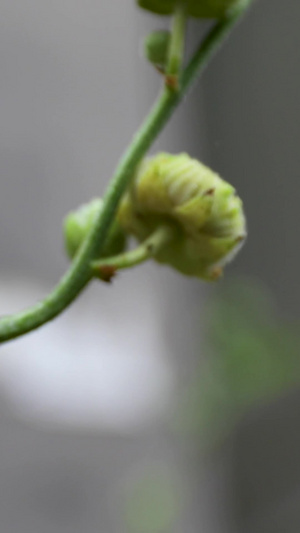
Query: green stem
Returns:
{"type": "Point", "coordinates": [79, 274]}
{"type": "Point", "coordinates": [106, 268]}
{"type": "Point", "coordinates": [176, 47]}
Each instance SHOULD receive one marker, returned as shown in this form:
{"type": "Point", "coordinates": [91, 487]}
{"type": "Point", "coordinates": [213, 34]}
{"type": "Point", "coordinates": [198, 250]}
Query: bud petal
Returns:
{"type": "Point", "coordinates": [77, 225]}
{"type": "Point", "coordinates": [204, 209]}
{"type": "Point", "coordinates": [156, 47]}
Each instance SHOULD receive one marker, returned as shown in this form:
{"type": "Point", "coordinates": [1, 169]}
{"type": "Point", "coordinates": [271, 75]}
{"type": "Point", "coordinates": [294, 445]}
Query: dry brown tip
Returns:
{"type": "Point", "coordinates": [106, 273]}
{"type": "Point", "coordinates": [171, 81]}
{"type": "Point", "coordinates": [209, 192]}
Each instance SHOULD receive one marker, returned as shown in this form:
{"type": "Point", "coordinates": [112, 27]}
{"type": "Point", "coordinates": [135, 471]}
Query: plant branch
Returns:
{"type": "Point", "coordinates": [79, 273]}
{"type": "Point", "coordinates": [176, 47]}
{"type": "Point", "coordinates": [106, 268]}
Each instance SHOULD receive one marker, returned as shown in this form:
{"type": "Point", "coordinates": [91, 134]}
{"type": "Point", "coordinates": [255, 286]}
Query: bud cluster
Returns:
{"type": "Point", "coordinates": [203, 210]}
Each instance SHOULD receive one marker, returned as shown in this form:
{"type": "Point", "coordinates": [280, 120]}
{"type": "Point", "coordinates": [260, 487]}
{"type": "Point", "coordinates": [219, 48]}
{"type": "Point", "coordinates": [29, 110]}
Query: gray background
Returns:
{"type": "Point", "coordinates": [74, 88]}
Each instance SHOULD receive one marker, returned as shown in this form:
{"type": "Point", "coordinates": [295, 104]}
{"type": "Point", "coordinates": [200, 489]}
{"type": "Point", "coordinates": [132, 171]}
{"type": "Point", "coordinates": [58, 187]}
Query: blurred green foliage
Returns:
{"type": "Point", "coordinates": [257, 351]}
{"type": "Point", "coordinates": [252, 356]}
{"type": "Point", "coordinates": [152, 502]}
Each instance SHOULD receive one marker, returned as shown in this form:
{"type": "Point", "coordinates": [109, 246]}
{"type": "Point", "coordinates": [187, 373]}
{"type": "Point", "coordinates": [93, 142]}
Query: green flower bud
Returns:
{"type": "Point", "coordinates": [78, 223]}
{"type": "Point", "coordinates": [195, 8]}
{"type": "Point", "coordinates": [204, 210]}
{"type": "Point", "coordinates": [156, 47]}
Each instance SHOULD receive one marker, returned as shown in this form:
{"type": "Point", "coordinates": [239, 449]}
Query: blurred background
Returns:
{"type": "Point", "coordinates": [158, 404]}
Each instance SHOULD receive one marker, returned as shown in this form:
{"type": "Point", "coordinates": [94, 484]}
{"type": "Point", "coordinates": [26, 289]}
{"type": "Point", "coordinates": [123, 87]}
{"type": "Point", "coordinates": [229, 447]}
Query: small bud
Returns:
{"type": "Point", "coordinates": [204, 210]}
{"type": "Point", "coordinates": [195, 8]}
{"type": "Point", "coordinates": [78, 223]}
{"type": "Point", "coordinates": [156, 48]}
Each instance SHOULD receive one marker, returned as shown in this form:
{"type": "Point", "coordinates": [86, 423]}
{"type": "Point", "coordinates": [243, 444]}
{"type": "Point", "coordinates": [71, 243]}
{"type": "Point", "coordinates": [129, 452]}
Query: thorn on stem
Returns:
{"type": "Point", "coordinates": [171, 82]}
{"type": "Point", "coordinates": [216, 273]}
{"type": "Point", "coordinates": [106, 273]}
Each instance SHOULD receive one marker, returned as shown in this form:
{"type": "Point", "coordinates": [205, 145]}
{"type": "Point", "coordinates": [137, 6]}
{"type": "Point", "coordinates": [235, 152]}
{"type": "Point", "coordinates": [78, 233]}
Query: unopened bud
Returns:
{"type": "Point", "coordinates": [206, 213]}
{"type": "Point", "coordinates": [77, 225]}
{"type": "Point", "coordinates": [156, 48]}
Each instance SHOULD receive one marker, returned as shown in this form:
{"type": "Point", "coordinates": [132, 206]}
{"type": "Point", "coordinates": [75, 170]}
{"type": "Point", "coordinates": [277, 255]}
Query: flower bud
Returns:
{"type": "Point", "coordinates": [156, 47]}
{"type": "Point", "coordinates": [195, 8]}
{"type": "Point", "coordinates": [204, 210]}
{"type": "Point", "coordinates": [77, 225]}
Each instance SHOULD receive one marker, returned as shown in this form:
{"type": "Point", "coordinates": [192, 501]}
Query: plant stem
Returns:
{"type": "Point", "coordinates": [79, 273]}
{"type": "Point", "coordinates": [176, 47]}
{"type": "Point", "coordinates": [107, 267]}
